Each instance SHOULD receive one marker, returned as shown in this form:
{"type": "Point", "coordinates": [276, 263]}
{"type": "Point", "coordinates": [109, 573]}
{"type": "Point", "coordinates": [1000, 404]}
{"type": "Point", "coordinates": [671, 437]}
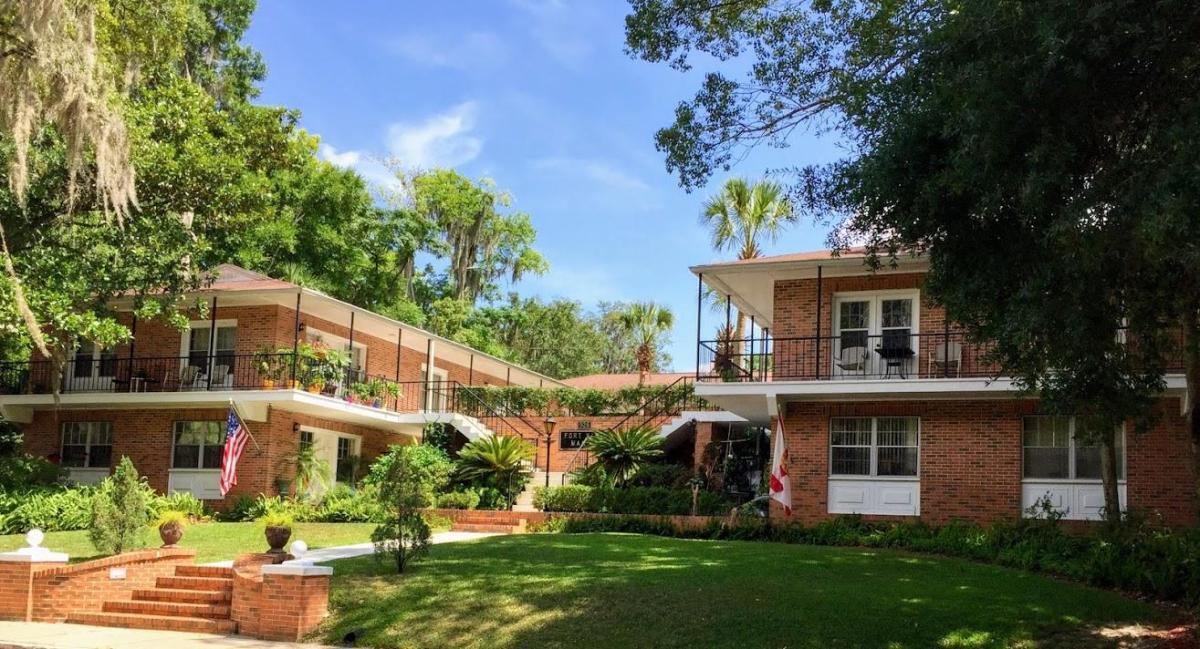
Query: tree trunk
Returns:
{"type": "Point", "coordinates": [1108, 472]}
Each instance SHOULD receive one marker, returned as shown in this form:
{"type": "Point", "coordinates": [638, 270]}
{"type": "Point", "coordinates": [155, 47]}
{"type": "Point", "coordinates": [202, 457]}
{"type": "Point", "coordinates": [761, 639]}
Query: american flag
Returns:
{"type": "Point", "coordinates": [235, 442]}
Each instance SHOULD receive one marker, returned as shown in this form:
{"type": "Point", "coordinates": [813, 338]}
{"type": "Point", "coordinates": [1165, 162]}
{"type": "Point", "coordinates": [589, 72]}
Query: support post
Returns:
{"type": "Point", "coordinates": [212, 341]}
{"type": "Point", "coordinates": [699, 310]}
{"type": "Point", "coordinates": [751, 368]}
{"type": "Point", "coordinates": [429, 375]}
{"type": "Point", "coordinates": [508, 377]}
{"type": "Point", "coordinates": [820, 299]}
{"type": "Point", "coordinates": [766, 350]}
{"type": "Point", "coordinates": [399, 347]}
{"type": "Point", "coordinates": [945, 348]}
{"type": "Point", "coordinates": [471, 371]}
{"type": "Point", "coordinates": [352, 369]}
{"type": "Point", "coordinates": [296, 340]}
{"type": "Point", "coordinates": [132, 344]}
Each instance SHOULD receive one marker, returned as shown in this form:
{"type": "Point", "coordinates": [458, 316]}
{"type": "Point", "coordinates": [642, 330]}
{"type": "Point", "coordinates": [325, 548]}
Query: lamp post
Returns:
{"type": "Point", "coordinates": [549, 425]}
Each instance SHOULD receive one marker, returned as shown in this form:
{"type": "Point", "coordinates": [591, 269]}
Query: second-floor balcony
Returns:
{"type": "Point", "coordinates": [856, 356]}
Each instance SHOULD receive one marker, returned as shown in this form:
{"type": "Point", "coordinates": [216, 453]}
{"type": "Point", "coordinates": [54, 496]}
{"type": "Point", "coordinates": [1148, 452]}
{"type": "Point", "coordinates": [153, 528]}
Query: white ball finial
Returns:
{"type": "Point", "coordinates": [299, 549]}
{"type": "Point", "coordinates": [34, 537]}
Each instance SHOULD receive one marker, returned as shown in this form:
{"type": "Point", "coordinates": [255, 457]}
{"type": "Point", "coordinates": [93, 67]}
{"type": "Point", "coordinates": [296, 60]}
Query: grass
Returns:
{"type": "Point", "coordinates": [213, 541]}
{"type": "Point", "coordinates": [616, 590]}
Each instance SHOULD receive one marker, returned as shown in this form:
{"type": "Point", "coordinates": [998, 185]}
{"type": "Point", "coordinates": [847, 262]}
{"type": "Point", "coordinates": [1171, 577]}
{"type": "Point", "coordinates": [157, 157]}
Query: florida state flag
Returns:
{"type": "Point", "coordinates": [781, 484]}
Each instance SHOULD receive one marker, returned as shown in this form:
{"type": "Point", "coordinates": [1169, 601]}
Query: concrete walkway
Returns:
{"type": "Point", "coordinates": [37, 635]}
{"type": "Point", "coordinates": [321, 555]}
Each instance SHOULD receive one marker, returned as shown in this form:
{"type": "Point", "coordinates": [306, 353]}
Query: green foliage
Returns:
{"type": "Point", "coordinates": [171, 516]}
{"type": "Point", "coordinates": [439, 436]}
{"type": "Point", "coordinates": [276, 519]}
{"type": "Point", "coordinates": [670, 476]}
{"type": "Point", "coordinates": [48, 509]}
{"type": "Point", "coordinates": [648, 325]}
{"type": "Point", "coordinates": [311, 470]}
{"type": "Point", "coordinates": [428, 466]}
{"type": "Point", "coordinates": [404, 489]}
{"type": "Point", "coordinates": [499, 462]}
{"type": "Point", "coordinates": [181, 501]}
{"type": "Point", "coordinates": [520, 399]}
{"type": "Point", "coordinates": [25, 471]}
{"type": "Point", "coordinates": [631, 500]}
{"type": "Point", "coordinates": [490, 498]}
{"type": "Point", "coordinates": [621, 453]}
{"type": "Point", "coordinates": [468, 499]}
{"type": "Point", "coordinates": [120, 510]}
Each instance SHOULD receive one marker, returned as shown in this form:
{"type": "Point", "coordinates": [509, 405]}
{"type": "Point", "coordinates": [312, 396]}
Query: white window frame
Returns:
{"type": "Point", "coordinates": [185, 347]}
{"type": "Point", "coordinates": [200, 455]}
{"type": "Point", "coordinates": [87, 445]}
{"type": "Point", "coordinates": [439, 376]}
{"type": "Point", "coordinates": [1071, 447]}
{"type": "Point", "coordinates": [874, 450]}
{"type": "Point", "coordinates": [95, 379]}
{"type": "Point", "coordinates": [874, 319]}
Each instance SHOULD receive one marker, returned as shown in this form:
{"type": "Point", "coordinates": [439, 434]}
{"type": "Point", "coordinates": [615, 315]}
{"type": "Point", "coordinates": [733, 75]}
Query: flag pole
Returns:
{"type": "Point", "coordinates": [242, 419]}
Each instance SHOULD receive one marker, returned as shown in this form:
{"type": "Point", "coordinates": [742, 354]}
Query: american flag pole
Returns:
{"type": "Point", "coordinates": [234, 407]}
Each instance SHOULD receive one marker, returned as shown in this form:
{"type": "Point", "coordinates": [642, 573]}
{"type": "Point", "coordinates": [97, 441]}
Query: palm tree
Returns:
{"type": "Point", "coordinates": [500, 462]}
{"type": "Point", "coordinates": [646, 322]}
{"type": "Point", "coordinates": [742, 217]}
{"type": "Point", "coordinates": [621, 453]}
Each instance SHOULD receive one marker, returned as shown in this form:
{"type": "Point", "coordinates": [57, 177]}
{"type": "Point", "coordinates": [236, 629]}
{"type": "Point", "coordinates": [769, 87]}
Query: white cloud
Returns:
{"type": "Point", "coordinates": [442, 140]}
{"type": "Point", "coordinates": [344, 159]}
{"type": "Point", "coordinates": [597, 171]}
{"type": "Point", "coordinates": [475, 50]}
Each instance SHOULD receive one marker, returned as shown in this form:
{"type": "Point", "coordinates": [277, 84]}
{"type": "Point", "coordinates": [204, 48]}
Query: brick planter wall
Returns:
{"type": "Point", "coordinates": [276, 606]}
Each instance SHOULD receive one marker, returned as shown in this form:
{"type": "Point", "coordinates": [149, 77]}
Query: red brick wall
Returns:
{"type": "Point", "coordinates": [59, 590]}
{"type": "Point", "coordinates": [145, 436]}
{"type": "Point", "coordinates": [970, 459]}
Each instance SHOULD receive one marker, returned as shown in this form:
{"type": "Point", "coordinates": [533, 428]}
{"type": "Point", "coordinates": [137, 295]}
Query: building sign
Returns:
{"type": "Point", "coordinates": [573, 438]}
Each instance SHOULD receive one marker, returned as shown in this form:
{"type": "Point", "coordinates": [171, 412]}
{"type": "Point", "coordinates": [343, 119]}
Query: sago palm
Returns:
{"type": "Point", "coordinates": [501, 462]}
{"type": "Point", "coordinates": [744, 216]}
{"type": "Point", "coordinates": [620, 453]}
{"type": "Point", "coordinates": [646, 323]}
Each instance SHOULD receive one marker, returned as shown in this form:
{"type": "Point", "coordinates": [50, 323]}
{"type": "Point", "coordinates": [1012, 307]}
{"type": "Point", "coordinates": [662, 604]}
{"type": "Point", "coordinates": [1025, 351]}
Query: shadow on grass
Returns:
{"type": "Point", "coordinates": [636, 591]}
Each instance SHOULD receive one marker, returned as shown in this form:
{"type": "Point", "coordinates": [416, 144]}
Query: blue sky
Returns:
{"type": "Point", "coordinates": [537, 95]}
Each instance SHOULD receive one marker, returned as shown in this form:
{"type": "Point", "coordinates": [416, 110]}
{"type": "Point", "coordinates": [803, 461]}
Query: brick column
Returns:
{"type": "Point", "coordinates": [16, 579]}
{"type": "Point", "coordinates": [293, 601]}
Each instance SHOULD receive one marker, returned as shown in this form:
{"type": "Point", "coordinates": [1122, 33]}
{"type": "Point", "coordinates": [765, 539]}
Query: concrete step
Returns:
{"type": "Point", "coordinates": [183, 596]}
{"type": "Point", "coordinates": [483, 527]}
{"type": "Point", "coordinates": [195, 583]}
{"type": "Point", "coordinates": [204, 571]}
{"type": "Point", "coordinates": [159, 622]}
{"type": "Point", "coordinates": [168, 609]}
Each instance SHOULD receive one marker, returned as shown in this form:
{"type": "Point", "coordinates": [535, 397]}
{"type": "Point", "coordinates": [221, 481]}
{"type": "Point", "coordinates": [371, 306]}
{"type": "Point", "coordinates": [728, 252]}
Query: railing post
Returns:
{"type": "Point", "coordinates": [751, 348]}
{"type": "Point", "coordinates": [945, 348]}
{"type": "Point", "coordinates": [820, 300]}
{"type": "Point", "coordinates": [766, 349]}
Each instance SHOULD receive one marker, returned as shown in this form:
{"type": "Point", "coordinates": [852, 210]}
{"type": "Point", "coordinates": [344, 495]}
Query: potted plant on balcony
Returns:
{"type": "Point", "coordinates": [358, 393]}
{"type": "Point", "coordinates": [277, 527]}
{"type": "Point", "coordinates": [170, 526]}
{"type": "Point", "coordinates": [379, 390]}
{"type": "Point", "coordinates": [270, 370]}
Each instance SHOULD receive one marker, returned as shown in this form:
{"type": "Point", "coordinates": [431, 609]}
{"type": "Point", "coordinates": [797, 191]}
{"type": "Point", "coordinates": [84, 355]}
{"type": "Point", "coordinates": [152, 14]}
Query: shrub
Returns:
{"type": "Point", "coordinates": [632, 500]}
{"type": "Point", "coordinates": [277, 519]}
{"type": "Point", "coordinates": [671, 476]}
{"type": "Point", "coordinates": [431, 468]}
{"type": "Point", "coordinates": [498, 462]}
{"type": "Point", "coordinates": [346, 505]}
{"type": "Point", "coordinates": [48, 509]}
{"type": "Point", "coordinates": [120, 510]}
{"type": "Point", "coordinates": [181, 501]}
{"type": "Point", "coordinates": [622, 453]}
{"type": "Point", "coordinates": [459, 500]}
{"type": "Point", "coordinates": [24, 471]}
{"type": "Point", "coordinates": [168, 516]}
{"type": "Point", "coordinates": [403, 534]}
{"type": "Point", "coordinates": [567, 498]}
{"type": "Point", "coordinates": [490, 498]}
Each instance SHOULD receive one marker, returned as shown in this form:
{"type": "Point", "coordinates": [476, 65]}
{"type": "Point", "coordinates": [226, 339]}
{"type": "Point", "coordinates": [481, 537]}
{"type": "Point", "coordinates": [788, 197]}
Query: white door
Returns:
{"type": "Point", "coordinates": [92, 369]}
{"type": "Point", "coordinates": [437, 390]}
{"type": "Point", "coordinates": [874, 335]}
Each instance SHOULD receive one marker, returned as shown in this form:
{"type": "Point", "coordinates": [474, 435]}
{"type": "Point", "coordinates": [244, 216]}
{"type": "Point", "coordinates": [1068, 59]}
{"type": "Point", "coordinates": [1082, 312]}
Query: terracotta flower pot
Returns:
{"type": "Point", "coordinates": [170, 533]}
{"type": "Point", "coordinates": [277, 537]}
{"type": "Point", "coordinates": [268, 384]}
{"type": "Point", "coordinates": [316, 388]}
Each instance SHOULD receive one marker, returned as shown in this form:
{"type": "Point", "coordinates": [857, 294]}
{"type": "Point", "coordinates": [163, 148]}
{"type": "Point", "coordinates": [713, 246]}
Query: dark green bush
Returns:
{"type": "Point", "coordinates": [490, 498]}
{"type": "Point", "coordinates": [25, 471]}
{"type": "Point", "coordinates": [459, 500]}
{"type": "Point", "coordinates": [630, 500]}
{"type": "Point", "coordinates": [1134, 556]}
{"type": "Point", "coordinates": [671, 476]}
{"type": "Point", "coordinates": [50, 509]}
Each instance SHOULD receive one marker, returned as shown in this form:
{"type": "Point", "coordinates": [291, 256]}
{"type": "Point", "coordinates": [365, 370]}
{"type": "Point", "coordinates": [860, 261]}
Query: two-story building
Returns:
{"type": "Point", "coordinates": [162, 399]}
{"type": "Point", "coordinates": [889, 411]}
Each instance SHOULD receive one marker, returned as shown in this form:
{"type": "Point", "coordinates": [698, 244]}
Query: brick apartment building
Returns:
{"type": "Point", "coordinates": [162, 399]}
{"type": "Point", "coordinates": [888, 411]}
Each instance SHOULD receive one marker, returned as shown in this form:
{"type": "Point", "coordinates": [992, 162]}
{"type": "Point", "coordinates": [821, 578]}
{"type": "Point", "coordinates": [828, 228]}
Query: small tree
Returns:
{"type": "Point", "coordinates": [621, 453]}
{"type": "Point", "coordinates": [121, 510]}
{"type": "Point", "coordinates": [403, 536]}
{"type": "Point", "coordinates": [498, 461]}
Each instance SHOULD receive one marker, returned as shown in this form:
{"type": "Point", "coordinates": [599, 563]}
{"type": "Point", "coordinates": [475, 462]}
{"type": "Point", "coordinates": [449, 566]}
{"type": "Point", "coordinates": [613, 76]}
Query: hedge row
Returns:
{"type": "Point", "coordinates": [1134, 557]}
{"type": "Point", "coordinates": [629, 500]}
{"type": "Point", "coordinates": [63, 508]}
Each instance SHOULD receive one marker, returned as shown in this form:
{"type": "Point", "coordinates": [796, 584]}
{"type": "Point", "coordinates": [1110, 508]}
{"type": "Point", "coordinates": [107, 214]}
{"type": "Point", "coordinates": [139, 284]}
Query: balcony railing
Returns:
{"type": "Point", "coordinates": [897, 354]}
{"type": "Point", "coordinates": [224, 372]}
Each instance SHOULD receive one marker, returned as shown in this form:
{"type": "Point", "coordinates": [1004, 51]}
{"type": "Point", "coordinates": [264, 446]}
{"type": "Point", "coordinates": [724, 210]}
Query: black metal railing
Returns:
{"type": "Point", "coordinates": [677, 397]}
{"type": "Point", "coordinates": [895, 354]}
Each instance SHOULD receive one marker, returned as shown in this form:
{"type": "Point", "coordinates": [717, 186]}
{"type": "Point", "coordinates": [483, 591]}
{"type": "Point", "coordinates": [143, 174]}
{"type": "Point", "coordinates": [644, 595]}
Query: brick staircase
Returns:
{"type": "Point", "coordinates": [495, 522]}
{"type": "Point", "coordinates": [196, 598]}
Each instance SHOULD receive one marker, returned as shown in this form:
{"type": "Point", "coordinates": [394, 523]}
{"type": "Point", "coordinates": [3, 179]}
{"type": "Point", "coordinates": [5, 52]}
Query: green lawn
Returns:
{"type": "Point", "coordinates": [608, 590]}
{"type": "Point", "coordinates": [213, 541]}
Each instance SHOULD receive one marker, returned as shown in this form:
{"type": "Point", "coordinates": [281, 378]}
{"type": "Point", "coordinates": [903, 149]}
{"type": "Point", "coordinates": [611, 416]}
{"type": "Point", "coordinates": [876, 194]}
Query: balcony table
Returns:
{"type": "Point", "coordinates": [895, 357]}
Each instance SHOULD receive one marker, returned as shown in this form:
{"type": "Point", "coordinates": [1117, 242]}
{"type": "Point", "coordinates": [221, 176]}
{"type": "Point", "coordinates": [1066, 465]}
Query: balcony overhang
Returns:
{"type": "Point", "coordinates": [759, 401]}
{"type": "Point", "coordinates": [254, 405]}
